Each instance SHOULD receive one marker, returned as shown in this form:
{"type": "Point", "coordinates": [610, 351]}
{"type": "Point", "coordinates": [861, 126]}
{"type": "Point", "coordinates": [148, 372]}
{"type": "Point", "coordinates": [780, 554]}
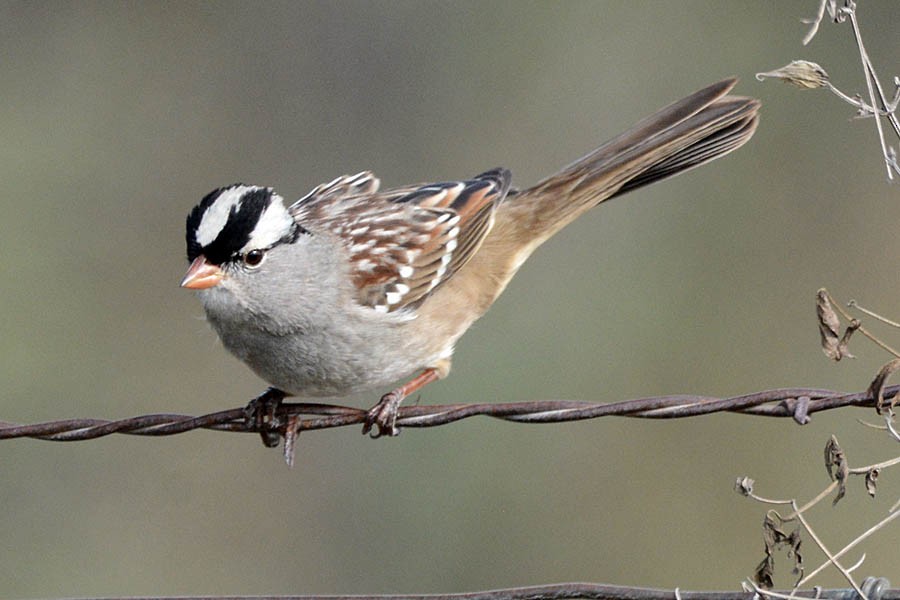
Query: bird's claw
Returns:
{"type": "Point", "coordinates": [261, 414]}
{"type": "Point", "coordinates": [383, 416]}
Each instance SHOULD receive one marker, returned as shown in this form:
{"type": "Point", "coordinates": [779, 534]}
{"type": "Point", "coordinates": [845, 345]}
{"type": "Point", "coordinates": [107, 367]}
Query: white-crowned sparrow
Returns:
{"type": "Point", "coordinates": [350, 289]}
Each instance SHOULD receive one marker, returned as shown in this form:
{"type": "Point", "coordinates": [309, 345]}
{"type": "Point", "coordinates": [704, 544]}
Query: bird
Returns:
{"type": "Point", "coordinates": [351, 289]}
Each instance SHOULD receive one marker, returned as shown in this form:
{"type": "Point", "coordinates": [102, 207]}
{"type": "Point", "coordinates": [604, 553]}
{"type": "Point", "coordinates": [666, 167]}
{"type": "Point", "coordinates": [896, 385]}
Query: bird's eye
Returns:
{"type": "Point", "coordinates": [254, 258]}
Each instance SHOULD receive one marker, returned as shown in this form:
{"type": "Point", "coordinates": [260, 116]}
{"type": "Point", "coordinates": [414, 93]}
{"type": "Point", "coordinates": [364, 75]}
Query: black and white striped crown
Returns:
{"type": "Point", "coordinates": [233, 220]}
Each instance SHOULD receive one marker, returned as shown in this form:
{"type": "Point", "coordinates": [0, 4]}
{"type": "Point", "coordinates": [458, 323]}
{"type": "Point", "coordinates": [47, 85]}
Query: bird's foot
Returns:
{"type": "Point", "coordinates": [383, 415]}
{"type": "Point", "coordinates": [261, 414]}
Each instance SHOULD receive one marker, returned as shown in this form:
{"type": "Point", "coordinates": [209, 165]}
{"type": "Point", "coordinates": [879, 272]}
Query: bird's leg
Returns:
{"type": "Point", "coordinates": [261, 413]}
{"type": "Point", "coordinates": [384, 414]}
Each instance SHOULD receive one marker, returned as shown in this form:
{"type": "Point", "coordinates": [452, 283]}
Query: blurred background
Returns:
{"type": "Point", "coordinates": [116, 118]}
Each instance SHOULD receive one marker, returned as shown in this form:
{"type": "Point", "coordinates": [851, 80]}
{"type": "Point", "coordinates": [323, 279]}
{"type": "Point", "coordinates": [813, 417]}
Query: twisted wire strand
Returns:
{"type": "Point", "coordinates": [875, 588]}
{"type": "Point", "coordinates": [797, 403]}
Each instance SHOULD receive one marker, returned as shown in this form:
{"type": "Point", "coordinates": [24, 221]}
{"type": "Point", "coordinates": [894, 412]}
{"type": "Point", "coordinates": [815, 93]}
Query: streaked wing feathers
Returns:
{"type": "Point", "coordinates": [341, 187]}
{"type": "Point", "coordinates": [404, 243]}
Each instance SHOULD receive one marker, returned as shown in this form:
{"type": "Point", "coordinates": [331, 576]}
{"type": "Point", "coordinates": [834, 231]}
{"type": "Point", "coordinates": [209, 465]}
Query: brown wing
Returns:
{"type": "Point", "coordinates": [404, 243]}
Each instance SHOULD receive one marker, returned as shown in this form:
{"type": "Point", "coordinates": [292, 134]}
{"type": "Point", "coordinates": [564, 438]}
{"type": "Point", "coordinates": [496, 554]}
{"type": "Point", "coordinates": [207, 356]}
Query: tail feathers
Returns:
{"type": "Point", "coordinates": [693, 131]}
{"type": "Point", "coordinates": [717, 143]}
{"type": "Point", "coordinates": [647, 129]}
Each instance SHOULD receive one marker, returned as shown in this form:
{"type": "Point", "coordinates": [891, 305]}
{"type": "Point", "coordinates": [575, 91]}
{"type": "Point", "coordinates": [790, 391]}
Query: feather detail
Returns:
{"type": "Point", "coordinates": [404, 243]}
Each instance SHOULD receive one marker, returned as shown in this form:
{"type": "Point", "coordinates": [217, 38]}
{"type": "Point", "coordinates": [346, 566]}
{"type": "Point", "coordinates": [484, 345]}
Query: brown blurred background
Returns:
{"type": "Point", "coordinates": [116, 118]}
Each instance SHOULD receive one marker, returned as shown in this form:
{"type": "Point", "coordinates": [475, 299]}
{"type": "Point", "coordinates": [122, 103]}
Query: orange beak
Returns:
{"type": "Point", "coordinates": [201, 275]}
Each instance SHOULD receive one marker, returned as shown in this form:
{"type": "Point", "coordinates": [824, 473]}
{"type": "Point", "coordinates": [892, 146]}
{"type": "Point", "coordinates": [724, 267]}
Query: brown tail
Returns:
{"type": "Point", "coordinates": [695, 130]}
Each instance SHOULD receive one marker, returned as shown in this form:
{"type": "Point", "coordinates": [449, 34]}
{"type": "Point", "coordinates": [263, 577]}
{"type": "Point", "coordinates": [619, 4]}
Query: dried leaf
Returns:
{"type": "Point", "coordinates": [871, 479]}
{"type": "Point", "coordinates": [845, 339]}
{"type": "Point", "coordinates": [829, 326]}
{"type": "Point", "coordinates": [775, 538]}
{"type": "Point", "coordinates": [770, 534]}
{"type": "Point", "coordinates": [744, 486]}
{"type": "Point", "coordinates": [764, 573]}
{"type": "Point", "coordinates": [794, 541]}
{"type": "Point", "coordinates": [837, 466]}
{"type": "Point", "coordinates": [773, 535]}
{"type": "Point", "coordinates": [832, 448]}
{"type": "Point", "coordinates": [842, 490]}
{"type": "Point", "coordinates": [876, 388]}
{"type": "Point", "coordinates": [801, 73]}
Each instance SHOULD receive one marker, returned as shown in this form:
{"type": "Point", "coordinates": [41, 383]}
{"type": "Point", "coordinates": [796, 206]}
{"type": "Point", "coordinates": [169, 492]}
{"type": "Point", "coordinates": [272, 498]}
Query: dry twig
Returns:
{"type": "Point", "coordinates": [809, 75]}
{"type": "Point", "coordinates": [775, 537]}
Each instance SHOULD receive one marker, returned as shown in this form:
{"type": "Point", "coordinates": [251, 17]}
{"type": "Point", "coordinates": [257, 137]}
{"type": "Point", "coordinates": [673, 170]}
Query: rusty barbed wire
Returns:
{"type": "Point", "coordinates": [874, 588]}
{"type": "Point", "coordinates": [797, 403]}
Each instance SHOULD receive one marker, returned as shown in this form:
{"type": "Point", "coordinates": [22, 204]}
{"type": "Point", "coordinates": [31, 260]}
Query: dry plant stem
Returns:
{"type": "Point", "coordinates": [824, 549]}
{"type": "Point", "coordinates": [850, 546]}
{"type": "Point", "coordinates": [869, 72]}
{"type": "Point", "coordinates": [879, 105]}
{"type": "Point", "coordinates": [760, 593]}
{"type": "Point", "coordinates": [857, 564]}
{"type": "Point", "coordinates": [827, 491]}
{"type": "Point", "coordinates": [882, 465]}
{"type": "Point", "coordinates": [832, 559]}
{"type": "Point", "coordinates": [854, 304]}
{"type": "Point", "coordinates": [815, 23]}
{"type": "Point", "coordinates": [889, 421]}
{"type": "Point", "coordinates": [871, 425]}
{"type": "Point", "coordinates": [862, 329]}
{"type": "Point", "coordinates": [822, 495]}
{"type": "Point", "coordinates": [770, 500]}
{"type": "Point", "coordinates": [866, 109]}
{"type": "Point", "coordinates": [887, 108]}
